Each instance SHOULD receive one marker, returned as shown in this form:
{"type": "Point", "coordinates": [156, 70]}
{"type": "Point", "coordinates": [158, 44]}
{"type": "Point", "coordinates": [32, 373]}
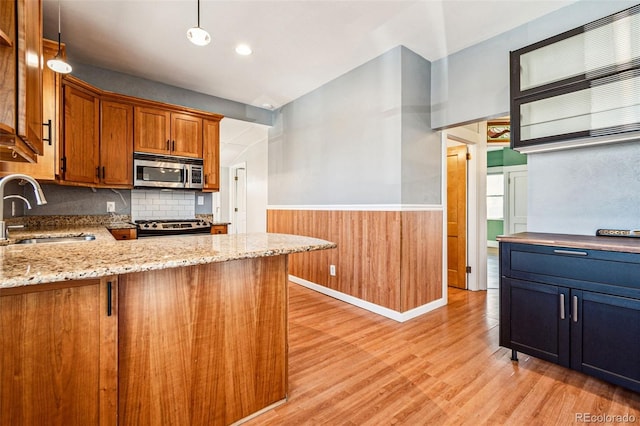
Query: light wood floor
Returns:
{"type": "Point", "coordinates": [350, 367]}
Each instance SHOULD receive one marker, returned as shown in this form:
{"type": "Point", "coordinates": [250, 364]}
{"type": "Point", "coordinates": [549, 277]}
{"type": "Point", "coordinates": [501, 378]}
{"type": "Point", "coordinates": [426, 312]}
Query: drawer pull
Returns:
{"type": "Point", "coordinates": [562, 314]}
{"type": "Point", "coordinates": [574, 314]}
{"type": "Point", "coordinates": [575, 253]}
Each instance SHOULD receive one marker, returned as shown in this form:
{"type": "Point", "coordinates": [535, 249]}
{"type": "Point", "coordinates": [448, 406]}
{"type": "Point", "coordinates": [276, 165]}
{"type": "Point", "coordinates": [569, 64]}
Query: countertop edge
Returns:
{"type": "Point", "coordinates": [618, 244]}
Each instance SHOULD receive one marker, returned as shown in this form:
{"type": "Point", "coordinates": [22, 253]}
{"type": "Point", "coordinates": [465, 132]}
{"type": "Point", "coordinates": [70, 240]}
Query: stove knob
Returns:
{"type": "Point", "coordinates": [146, 225]}
{"type": "Point", "coordinates": [155, 225]}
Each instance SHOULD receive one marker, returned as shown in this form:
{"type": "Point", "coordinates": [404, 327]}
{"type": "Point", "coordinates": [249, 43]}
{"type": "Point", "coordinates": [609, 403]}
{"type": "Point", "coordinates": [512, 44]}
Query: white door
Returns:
{"type": "Point", "coordinates": [516, 205]}
{"type": "Point", "coordinates": [239, 199]}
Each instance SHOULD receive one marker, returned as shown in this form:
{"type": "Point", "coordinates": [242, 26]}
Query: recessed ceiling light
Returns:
{"type": "Point", "coordinates": [243, 49]}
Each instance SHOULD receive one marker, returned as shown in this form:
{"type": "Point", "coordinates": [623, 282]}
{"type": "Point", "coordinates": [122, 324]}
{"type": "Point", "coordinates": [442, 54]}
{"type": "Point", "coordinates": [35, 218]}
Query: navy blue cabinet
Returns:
{"type": "Point", "coordinates": [574, 307]}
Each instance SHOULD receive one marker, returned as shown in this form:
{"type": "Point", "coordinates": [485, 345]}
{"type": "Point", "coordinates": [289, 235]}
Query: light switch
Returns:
{"type": "Point", "coordinates": [201, 200]}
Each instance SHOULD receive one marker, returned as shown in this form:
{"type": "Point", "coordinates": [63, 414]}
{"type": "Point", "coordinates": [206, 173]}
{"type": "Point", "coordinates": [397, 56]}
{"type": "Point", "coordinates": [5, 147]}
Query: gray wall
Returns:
{"type": "Point", "coordinates": [473, 84]}
{"type": "Point", "coordinates": [134, 86]}
{"type": "Point", "coordinates": [343, 143]}
{"type": "Point", "coordinates": [578, 191]}
{"type": "Point", "coordinates": [421, 147]}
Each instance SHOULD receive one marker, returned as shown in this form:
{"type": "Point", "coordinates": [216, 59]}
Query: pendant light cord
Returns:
{"type": "Point", "coordinates": [59, 28]}
{"type": "Point", "coordinates": [198, 13]}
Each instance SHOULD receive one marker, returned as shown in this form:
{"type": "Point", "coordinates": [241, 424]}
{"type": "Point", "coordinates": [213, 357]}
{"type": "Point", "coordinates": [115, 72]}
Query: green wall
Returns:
{"type": "Point", "coordinates": [494, 228]}
{"type": "Point", "coordinates": [505, 157]}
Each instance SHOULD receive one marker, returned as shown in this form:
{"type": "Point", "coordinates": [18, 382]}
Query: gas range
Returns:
{"type": "Point", "coordinates": [154, 228]}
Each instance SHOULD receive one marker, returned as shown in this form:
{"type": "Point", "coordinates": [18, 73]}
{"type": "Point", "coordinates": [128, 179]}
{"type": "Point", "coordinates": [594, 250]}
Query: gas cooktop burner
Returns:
{"type": "Point", "coordinates": [172, 227]}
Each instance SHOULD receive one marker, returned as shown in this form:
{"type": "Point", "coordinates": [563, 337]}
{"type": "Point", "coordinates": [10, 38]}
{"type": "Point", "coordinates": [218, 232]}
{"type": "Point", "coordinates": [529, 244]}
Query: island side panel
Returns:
{"type": "Point", "coordinates": [206, 342]}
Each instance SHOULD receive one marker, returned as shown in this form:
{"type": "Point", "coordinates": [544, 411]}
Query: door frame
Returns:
{"type": "Point", "coordinates": [476, 141]}
{"type": "Point", "coordinates": [507, 196]}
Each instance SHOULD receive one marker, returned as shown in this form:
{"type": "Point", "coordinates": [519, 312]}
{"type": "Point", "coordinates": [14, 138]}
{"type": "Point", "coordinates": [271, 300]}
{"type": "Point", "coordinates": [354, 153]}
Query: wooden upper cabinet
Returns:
{"type": "Point", "coordinates": [47, 167]}
{"type": "Point", "coordinates": [211, 151]}
{"type": "Point", "coordinates": [159, 131]}
{"type": "Point", "coordinates": [152, 130]}
{"type": "Point", "coordinates": [186, 135]}
{"type": "Point", "coordinates": [81, 133]}
{"type": "Point", "coordinates": [70, 373]}
{"type": "Point", "coordinates": [21, 85]}
{"type": "Point", "coordinates": [116, 143]}
{"type": "Point", "coordinates": [30, 73]}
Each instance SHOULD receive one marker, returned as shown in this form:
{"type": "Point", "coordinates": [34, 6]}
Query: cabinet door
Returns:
{"type": "Point", "coordinates": [605, 337]}
{"type": "Point", "coordinates": [152, 130]}
{"type": "Point", "coordinates": [30, 73]}
{"type": "Point", "coordinates": [47, 166]}
{"type": "Point", "coordinates": [81, 136]}
{"type": "Point", "coordinates": [59, 354]}
{"type": "Point", "coordinates": [211, 155]}
{"type": "Point", "coordinates": [116, 144]}
{"type": "Point", "coordinates": [534, 319]}
{"type": "Point", "coordinates": [186, 135]}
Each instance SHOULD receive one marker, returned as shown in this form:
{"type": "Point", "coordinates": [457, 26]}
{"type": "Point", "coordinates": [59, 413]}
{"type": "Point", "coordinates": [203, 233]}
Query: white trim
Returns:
{"type": "Point", "coordinates": [443, 196]}
{"type": "Point", "coordinates": [360, 207]}
{"type": "Point", "coordinates": [372, 307]}
{"type": "Point", "coordinates": [493, 244]}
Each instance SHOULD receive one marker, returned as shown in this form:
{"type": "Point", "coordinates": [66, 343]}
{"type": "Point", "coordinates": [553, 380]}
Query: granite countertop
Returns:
{"type": "Point", "coordinates": [621, 244]}
{"type": "Point", "coordinates": [30, 264]}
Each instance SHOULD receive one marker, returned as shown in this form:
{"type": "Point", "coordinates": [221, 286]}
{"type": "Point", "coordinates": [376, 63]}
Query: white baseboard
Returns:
{"type": "Point", "coordinates": [371, 307]}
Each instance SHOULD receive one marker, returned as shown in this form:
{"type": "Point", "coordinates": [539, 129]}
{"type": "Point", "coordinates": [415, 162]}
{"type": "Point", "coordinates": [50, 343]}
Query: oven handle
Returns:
{"type": "Point", "coordinates": [186, 175]}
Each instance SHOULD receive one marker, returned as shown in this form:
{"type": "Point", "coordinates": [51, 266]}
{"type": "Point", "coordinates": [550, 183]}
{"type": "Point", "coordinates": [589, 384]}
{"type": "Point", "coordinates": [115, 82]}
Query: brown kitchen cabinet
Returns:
{"type": "Point", "coordinates": [211, 155]}
{"type": "Point", "coordinates": [97, 137]}
{"type": "Point", "coordinates": [116, 144]}
{"type": "Point", "coordinates": [21, 86]}
{"type": "Point", "coordinates": [219, 229]}
{"type": "Point", "coordinates": [166, 132]}
{"type": "Point", "coordinates": [124, 234]}
{"type": "Point", "coordinates": [59, 353]}
{"type": "Point", "coordinates": [47, 166]}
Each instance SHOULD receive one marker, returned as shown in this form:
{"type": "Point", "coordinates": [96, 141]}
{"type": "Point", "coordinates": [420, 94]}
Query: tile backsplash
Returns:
{"type": "Point", "coordinates": [157, 204]}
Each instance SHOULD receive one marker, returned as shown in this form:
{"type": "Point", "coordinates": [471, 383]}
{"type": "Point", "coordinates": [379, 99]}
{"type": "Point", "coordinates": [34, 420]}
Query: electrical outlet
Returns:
{"type": "Point", "coordinates": [201, 200]}
{"type": "Point", "coordinates": [111, 206]}
{"type": "Point", "coordinates": [332, 270]}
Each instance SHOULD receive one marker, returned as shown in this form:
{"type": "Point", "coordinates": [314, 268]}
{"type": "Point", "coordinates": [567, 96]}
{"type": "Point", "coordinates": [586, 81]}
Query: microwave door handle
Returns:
{"type": "Point", "coordinates": [186, 176]}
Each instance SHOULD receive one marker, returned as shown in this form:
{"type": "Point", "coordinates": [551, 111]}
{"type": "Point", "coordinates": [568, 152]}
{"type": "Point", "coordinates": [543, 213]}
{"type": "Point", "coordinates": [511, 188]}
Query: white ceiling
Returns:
{"type": "Point", "coordinates": [297, 45]}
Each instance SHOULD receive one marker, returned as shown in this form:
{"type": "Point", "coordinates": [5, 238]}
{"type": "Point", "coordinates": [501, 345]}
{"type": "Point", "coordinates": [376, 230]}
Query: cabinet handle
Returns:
{"type": "Point", "coordinates": [98, 172]}
{"type": "Point", "coordinates": [575, 253]}
{"type": "Point", "coordinates": [168, 144]}
{"type": "Point", "coordinates": [562, 313]}
{"type": "Point", "coordinates": [109, 298]}
{"type": "Point", "coordinates": [103, 174]}
{"type": "Point", "coordinates": [63, 166]}
{"type": "Point", "coordinates": [48, 124]}
{"type": "Point", "coordinates": [205, 179]}
{"type": "Point", "coordinates": [574, 313]}
{"type": "Point", "coordinates": [173, 145]}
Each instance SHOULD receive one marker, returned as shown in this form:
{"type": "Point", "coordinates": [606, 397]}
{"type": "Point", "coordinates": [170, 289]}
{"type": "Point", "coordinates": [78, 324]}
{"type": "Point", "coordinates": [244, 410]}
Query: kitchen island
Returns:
{"type": "Point", "coordinates": [181, 330]}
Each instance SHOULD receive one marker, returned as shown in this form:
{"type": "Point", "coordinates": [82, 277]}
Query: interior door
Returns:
{"type": "Point", "coordinates": [239, 214]}
{"type": "Point", "coordinates": [457, 216]}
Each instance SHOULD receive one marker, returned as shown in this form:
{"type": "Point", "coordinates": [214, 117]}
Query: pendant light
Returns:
{"type": "Point", "coordinates": [58, 64]}
{"type": "Point", "coordinates": [197, 35]}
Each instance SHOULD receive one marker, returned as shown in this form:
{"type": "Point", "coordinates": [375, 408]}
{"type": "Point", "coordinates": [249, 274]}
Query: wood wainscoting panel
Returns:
{"type": "Point", "coordinates": [203, 345]}
{"type": "Point", "coordinates": [373, 248]}
{"type": "Point", "coordinates": [421, 258]}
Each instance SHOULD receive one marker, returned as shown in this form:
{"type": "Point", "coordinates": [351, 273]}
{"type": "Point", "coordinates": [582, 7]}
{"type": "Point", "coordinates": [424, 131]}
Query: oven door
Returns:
{"type": "Point", "coordinates": [159, 174]}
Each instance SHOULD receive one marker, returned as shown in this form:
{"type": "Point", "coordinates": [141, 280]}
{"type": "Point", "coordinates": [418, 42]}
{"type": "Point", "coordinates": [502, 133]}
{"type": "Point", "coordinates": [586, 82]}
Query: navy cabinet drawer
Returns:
{"type": "Point", "coordinates": [584, 269]}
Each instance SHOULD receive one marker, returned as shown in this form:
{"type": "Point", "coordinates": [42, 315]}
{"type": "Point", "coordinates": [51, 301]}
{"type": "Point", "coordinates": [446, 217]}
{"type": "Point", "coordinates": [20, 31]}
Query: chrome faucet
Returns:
{"type": "Point", "coordinates": [40, 199]}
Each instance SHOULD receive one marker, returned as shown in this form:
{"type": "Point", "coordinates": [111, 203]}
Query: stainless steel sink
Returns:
{"type": "Point", "coordinates": [72, 239]}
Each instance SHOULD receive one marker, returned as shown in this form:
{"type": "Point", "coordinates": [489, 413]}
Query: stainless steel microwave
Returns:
{"type": "Point", "coordinates": [160, 171]}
